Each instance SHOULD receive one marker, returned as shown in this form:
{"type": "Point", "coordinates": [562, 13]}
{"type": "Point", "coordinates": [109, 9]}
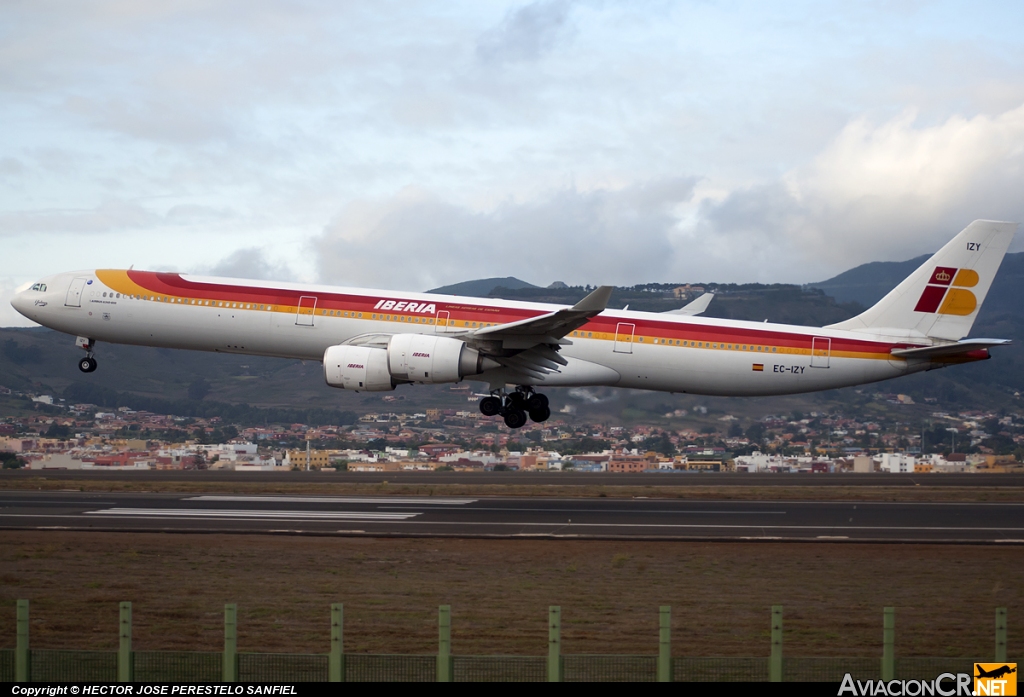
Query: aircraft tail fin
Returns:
{"type": "Point", "coordinates": [942, 297]}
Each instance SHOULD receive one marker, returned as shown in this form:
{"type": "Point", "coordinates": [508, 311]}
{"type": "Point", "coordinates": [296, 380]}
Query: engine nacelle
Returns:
{"type": "Point", "coordinates": [433, 359]}
{"type": "Point", "coordinates": [358, 368]}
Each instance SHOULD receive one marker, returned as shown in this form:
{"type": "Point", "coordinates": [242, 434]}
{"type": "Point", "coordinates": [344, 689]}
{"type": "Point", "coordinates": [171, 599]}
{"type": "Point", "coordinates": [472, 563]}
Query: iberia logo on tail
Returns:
{"type": "Point", "coordinates": [947, 294]}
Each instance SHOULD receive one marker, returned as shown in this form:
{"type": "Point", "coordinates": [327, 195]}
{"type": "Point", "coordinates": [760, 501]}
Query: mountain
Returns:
{"type": "Point", "coordinates": [867, 283]}
{"type": "Point", "coordinates": [482, 288]}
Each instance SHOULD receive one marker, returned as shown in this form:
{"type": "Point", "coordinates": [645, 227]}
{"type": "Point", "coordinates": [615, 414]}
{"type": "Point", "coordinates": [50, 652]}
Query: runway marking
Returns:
{"type": "Point", "coordinates": [251, 515]}
{"type": "Point", "coordinates": [431, 501]}
{"type": "Point", "coordinates": [728, 527]}
{"type": "Point", "coordinates": [634, 511]}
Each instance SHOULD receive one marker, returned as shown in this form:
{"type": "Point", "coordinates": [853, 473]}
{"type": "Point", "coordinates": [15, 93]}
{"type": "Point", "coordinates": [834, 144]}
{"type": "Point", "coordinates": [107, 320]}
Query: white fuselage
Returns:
{"type": "Point", "coordinates": [640, 350]}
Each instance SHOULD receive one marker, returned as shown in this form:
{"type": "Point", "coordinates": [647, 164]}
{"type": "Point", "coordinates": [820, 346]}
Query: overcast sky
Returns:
{"type": "Point", "coordinates": [412, 144]}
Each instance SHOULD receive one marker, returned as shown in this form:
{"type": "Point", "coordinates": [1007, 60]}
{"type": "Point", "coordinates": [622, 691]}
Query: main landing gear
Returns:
{"type": "Point", "coordinates": [516, 405]}
{"type": "Point", "coordinates": [87, 364]}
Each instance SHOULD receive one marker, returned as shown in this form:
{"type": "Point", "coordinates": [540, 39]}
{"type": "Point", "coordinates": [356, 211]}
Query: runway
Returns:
{"type": "Point", "coordinates": [520, 517]}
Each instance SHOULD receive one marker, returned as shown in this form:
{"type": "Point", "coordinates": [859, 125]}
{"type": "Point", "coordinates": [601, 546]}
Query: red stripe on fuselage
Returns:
{"type": "Point", "coordinates": [174, 284]}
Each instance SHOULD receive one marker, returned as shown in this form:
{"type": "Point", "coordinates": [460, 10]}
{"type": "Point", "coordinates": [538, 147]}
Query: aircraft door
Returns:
{"type": "Point", "coordinates": [305, 311]}
{"type": "Point", "coordinates": [624, 337]}
{"type": "Point", "coordinates": [74, 296]}
{"type": "Point", "coordinates": [821, 351]}
{"type": "Point", "coordinates": [443, 322]}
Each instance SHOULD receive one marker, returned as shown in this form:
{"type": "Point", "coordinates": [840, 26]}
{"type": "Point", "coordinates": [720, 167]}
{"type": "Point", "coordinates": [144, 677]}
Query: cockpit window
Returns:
{"type": "Point", "coordinates": [39, 286]}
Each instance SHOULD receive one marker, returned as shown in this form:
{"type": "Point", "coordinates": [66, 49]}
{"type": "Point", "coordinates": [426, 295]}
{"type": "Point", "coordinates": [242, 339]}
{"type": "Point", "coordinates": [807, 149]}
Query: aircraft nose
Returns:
{"type": "Point", "coordinates": [20, 302]}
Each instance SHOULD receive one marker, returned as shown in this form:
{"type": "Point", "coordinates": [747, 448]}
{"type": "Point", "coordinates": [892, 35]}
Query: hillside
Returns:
{"type": "Point", "coordinates": [481, 288]}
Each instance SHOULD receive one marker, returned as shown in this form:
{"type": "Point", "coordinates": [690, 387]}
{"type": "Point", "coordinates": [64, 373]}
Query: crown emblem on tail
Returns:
{"type": "Point", "coordinates": [943, 276]}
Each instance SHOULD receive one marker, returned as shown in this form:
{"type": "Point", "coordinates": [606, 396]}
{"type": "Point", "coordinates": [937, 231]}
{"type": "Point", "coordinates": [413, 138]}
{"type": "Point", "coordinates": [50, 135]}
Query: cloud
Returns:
{"type": "Point", "coordinates": [9, 317]}
{"type": "Point", "coordinates": [110, 216]}
{"type": "Point", "coordinates": [113, 215]}
{"type": "Point", "coordinates": [527, 33]}
{"type": "Point", "coordinates": [891, 190]}
{"type": "Point", "coordinates": [415, 240]}
{"type": "Point", "coordinates": [250, 263]}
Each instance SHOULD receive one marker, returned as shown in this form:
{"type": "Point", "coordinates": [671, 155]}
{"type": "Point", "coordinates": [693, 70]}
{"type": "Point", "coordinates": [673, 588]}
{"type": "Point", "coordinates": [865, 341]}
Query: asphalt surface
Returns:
{"type": "Point", "coordinates": [532, 478]}
{"type": "Point", "coordinates": [520, 517]}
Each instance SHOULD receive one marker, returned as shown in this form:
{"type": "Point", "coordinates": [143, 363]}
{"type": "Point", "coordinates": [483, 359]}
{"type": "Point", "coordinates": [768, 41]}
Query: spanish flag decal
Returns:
{"type": "Point", "coordinates": [759, 367]}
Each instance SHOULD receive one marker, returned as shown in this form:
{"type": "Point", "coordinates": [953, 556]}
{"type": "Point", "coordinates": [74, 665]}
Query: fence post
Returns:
{"type": "Point", "coordinates": [21, 666]}
{"type": "Point", "coordinates": [336, 659]}
{"type": "Point", "coordinates": [444, 643]}
{"type": "Point", "coordinates": [1000, 635]}
{"type": "Point", "coordinates": [554, 643]}
{"type": "Point", "coordinates": [775, 662]}
{"type": "Point", "coordinates": [229, 666]}
{"type": "Point", "coordinates": [665, 643]}
{"type": "Point", "coordinates": [125, 669]}
{"type": "Point", "coordinates": [889, 643]}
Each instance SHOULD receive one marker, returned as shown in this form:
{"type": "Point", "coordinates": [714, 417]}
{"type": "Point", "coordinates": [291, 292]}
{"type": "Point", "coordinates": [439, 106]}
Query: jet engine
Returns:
{"type": "Point", "coordinates": [421, 358]}
{"type": "Point", "coordinates": [358, 368]}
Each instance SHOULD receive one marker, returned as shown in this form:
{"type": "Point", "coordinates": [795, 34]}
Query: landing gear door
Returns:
{"type": "Point", "coordinates": [821, 351]}
{"type": "Point", "coordinates": [624, 337]}
{"type": "Point", "coordinates": [305, 311]}
{"type": "Point", "coordinates": [74, 296]}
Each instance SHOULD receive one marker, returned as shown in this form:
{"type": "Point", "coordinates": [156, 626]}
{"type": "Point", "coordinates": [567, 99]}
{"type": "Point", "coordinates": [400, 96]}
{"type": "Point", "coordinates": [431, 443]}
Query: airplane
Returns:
{"type": "Point", "coordinates": [995, 672]}
{"type": "Point", "coordinates": [375, 340]}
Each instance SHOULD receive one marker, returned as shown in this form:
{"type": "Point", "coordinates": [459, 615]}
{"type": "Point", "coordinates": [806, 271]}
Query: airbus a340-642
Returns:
{"type": "Point", "coordinates": [376, 340]}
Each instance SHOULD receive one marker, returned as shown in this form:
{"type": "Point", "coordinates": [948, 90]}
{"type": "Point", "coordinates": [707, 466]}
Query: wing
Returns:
{"type": "Point", "coordinates": [529, 347]}
{"type": "Point", "coordinates": [694, 307]}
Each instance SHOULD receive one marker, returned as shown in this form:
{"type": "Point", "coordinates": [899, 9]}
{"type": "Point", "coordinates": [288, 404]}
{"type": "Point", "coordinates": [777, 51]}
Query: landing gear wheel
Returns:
{"type": "Point", "coordinates": [515, 418]}
{"type": "Point", "coordinates": [539, 415]}
{"type": "Point", "coordinates": [87, 364]}
{"type": "Point", "coordinates": [537, 402]}
{"type": "Point", "coordinates": [516, 400]}
{"type": "Point", "coordinates": [490, 406]}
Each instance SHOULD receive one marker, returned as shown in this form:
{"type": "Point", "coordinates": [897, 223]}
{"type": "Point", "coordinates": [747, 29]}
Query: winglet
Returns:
{"type": "Point", "coordinates": [596, 302]}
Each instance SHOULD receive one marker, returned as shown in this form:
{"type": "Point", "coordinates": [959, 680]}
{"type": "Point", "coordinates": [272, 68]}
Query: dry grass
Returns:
{"type": "Point", "coordinates": [325, 487]}
{"type": "Point", "coordinates": [500, 591]}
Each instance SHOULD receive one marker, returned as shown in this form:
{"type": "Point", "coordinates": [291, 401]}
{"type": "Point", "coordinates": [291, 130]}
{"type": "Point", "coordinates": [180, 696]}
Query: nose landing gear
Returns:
{"type": "Point", "coordinates": [515, 406]}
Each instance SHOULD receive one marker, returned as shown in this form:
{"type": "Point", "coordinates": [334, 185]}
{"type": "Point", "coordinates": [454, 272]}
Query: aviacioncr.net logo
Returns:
{"type": "Point", "coordinates": [945, 685]}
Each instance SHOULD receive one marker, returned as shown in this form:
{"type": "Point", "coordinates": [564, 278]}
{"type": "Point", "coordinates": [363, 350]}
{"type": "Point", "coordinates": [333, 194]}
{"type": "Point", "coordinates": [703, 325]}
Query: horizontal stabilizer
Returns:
{"type": "Point", "coordinates": [956, 349]}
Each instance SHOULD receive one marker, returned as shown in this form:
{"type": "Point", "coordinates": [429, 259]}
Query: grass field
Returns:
{"type": "Point", "coordinates": [609, 592]}
{"type": "Point", "coordinates": [325, 487]}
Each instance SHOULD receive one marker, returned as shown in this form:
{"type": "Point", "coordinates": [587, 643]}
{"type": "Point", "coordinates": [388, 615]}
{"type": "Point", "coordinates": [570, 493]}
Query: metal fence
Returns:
{"type": "Point", "coordinates": [73, 666]}
{"type": "Point", "coordinates": [176, 666]}
{"type": "Point", "coordinates": [196, 667]}
{"type": "Point", "coordinates": [6, 665]}
{"type": "Point", "coordinates": [23, 664]}
{"type": "Point", "coordinates": [610, 668]}
{"type": "Point", "coordinates": [500, 668]}
{"type": "Point", "coordinates": [390, 668]}
{"type": "Point", "coordinates": [282, 667]}
{"type": "Point", "coordinates": [720, 669]}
